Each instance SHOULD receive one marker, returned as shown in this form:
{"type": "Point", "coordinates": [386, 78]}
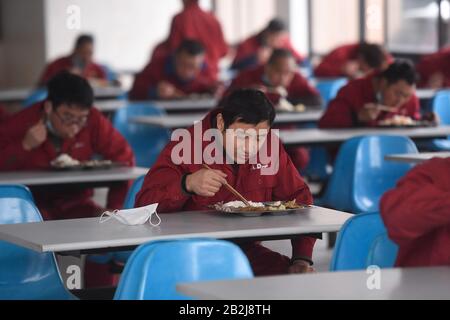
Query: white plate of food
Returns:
{"type": "Point", "coordinates": [66, 162]}
{"type": "Point", "coordinates": [258, 209]}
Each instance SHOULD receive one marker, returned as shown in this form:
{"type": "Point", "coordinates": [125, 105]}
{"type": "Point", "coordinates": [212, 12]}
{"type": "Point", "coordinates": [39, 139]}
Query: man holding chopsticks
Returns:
{"type": "Point", "coordinates": [365, 102]}
{"type": "Point", "coordinates": [195, 186]}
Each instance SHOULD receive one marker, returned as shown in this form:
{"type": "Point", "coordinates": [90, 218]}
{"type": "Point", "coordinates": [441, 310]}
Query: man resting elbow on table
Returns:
{"type": "Point", "coordinates": [176, 75]}
{"type": "Point", "coordinates": [64, 123]}
{"type": "Point", "coordinates": [365, 102]}
{"type": "Point", "coordinates": [248, 114]}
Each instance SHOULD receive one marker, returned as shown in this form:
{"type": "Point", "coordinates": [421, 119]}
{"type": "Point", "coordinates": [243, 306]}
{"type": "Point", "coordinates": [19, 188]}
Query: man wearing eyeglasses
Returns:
{"type": "Point", "coordinates": [65, 123]}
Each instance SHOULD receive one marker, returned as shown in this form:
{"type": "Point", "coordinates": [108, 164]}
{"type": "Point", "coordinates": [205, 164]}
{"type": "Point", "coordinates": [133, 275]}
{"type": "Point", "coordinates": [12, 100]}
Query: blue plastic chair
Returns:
{"type": "Point", "coordinates": [154, 269]}
{"type": "Point", "coordinates": [16, 191]}
{"type": "Point", "coordinates": [36, 96]}
{"type": "Point", "coordinates": [441, 106]}
{"type": "Point", "coordinates": [361, 175]}
{"type": "Point", "coordinates": [383, 252]}
{"type": "Point", "coordinates": [146, 141]}
{"type": "Point", "coordinates": [358, 245]}
{"type": "Point", "coordinates": [329, 88]}
{"type": "Point", "coordinates": [319, 167]}
{"type": "Point", "coordinates": [26, 274]}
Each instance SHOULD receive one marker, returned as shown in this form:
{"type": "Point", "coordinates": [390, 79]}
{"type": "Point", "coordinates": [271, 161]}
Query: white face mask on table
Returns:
{"type": "Point", "coordinates": [133, 217]}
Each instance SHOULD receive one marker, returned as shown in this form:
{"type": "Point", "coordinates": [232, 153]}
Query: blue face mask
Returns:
{"type": "Point", "coordinates": [379, 97]}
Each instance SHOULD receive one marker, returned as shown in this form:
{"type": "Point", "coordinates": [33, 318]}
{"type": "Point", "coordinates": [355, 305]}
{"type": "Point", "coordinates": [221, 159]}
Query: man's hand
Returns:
{"type": "Point", "coordinates": [351, 69]}
{"type": "Point", "coordinates": [35, 136]}
{"type": "Point", "coordinates": [166, 90]}
{"type": "Point", "coordinates": [205, 183]}
{"type": "Point", "coordinates": [301, 266]}
{"type": "Point", "coordinates": [369, 112]}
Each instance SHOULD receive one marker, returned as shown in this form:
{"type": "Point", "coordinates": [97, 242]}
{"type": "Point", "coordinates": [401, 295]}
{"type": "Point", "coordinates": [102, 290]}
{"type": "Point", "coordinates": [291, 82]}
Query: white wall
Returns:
{"type": "Point", "coordinates": [125, 30]}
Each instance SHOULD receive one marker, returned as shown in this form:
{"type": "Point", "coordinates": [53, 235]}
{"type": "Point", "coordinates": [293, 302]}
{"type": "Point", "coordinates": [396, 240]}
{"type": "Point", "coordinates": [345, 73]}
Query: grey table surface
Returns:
{"type": "Point", "coordinates": [416, 157]}
{"type": "Point", "coordinates": [33, 178]}
{"type": "Point", "coordinates": [395, 284]}
{"type": "Point", "coordinates": [88, 233]}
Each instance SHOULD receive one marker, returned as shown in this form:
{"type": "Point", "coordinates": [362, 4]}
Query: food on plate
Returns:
{"type": "Point", "coordinates": [234, 206]}
{"type": "Point", "coordinates": [64, 160]}
{"type": "Point", "coordinates": [397, 121]}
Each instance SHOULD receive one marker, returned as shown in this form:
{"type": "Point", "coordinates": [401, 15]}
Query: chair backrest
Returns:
{"type": "Point", "coordinates": [131, 195]}
{"type": "Point", "coordinates": [145, 140]}
{"type": "Point", "coordinates": [373, 175]}
{"type": "Point", "coordinates": [383, 252]}
{"type": "Point", "coordinates": [15, 191]}
{"type": "Point", "coordinates": [356, 241]}
{"type": "Point", "coordinates": [26, 274]}
{"type": "Point", "coordinates": [35, 97]}
{"type": "Point", "coordinates": [361, 175]}
{"type": "Point", "coordinates": [441, 106]}
{"type": "Point", "coordinates": [154, 269]}
{"type": "Point", "coordinates": [329, 88]}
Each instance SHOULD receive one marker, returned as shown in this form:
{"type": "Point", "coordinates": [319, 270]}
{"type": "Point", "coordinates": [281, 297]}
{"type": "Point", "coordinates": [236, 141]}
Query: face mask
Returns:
{"type": "Point", "coordinates": [133, 217]}
{"type": "Point", "coordinates": [50, 126]}
{"type": "Point", "coordinates": [379, 98]}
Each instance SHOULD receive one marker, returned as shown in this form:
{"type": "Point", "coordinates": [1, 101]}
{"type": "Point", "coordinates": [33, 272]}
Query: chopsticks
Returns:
{"type": "Point", "coordinates": [232, 190]}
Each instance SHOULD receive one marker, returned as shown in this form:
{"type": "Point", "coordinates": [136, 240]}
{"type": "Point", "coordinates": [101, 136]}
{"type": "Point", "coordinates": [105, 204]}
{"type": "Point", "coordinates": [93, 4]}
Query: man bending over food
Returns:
{"type": "Point", "coordinates": [245, 116]}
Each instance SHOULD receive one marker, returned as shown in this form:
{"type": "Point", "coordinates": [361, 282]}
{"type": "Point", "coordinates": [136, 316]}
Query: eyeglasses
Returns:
{"type": "Point", "coordinates": [70, 120]}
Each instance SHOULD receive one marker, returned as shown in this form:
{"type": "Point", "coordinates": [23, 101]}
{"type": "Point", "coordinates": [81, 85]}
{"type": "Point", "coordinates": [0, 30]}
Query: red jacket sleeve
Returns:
{"type": "Point", "coordinates": [418, 204]}
{"type": "Point", "coordinates": [109, 143]}
{"type": "Point", "coordinates": [163, 185]}
{"type": "Point", "coordinates": [291, 186]}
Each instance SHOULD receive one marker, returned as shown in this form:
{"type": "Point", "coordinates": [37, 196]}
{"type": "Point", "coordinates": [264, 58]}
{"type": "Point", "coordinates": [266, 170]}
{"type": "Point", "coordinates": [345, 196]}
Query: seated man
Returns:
{"type": "Point", "coordinates": [257, 49]}
{"type": "Point", "coordinates": [278, 75]}
{"type": "Point", "coordinates": [65, 123]}
{"type": "Point", "coordinates": [417, 216]}
{"type": "Point", "coordinates": [248, 115]}
{"type": "Point", "coordinates": [353, 61]}
{"type": "Point", "coordinates": [79, 62]}
{"type": "Point", "coordinates": [365, 102]}
{"type": "Point", "coordinates": [434, 70]}
{"type": "Point", "coordinates": [175, 76]}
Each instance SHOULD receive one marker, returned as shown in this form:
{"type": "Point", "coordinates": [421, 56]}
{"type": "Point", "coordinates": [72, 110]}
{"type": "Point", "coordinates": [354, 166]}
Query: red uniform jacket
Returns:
{"type": "Point", "coordinates": [92, 70]}
{"type": "Point", "coordinates": [417, 216]}
{"type": "Point", "coordinates": [343, 111]}
{"type": "Point", "coordinates": [196, 24]}
{"type": "Point", "coordinates": [434, 63]}
{"type": "Point", "coordinates": [246, 54]}
{"type": "Point", "coordinates": [332, 64]}
{"type": "Point", "coordinates": [162, 68]}
{"type": "Point", "coordinates": [97, 137]}
{"type": "Point", "coordinates": [163, 185]}
{"type": "Point", "coordinates": [298, 88]}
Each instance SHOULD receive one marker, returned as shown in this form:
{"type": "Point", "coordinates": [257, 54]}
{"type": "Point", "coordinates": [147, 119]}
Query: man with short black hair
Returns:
{"type": "Point", "coordinates": [175, 76]}
{"type": "Point", "coordinates": [353, 61]}
{"type": "Point", "coordinates": [257, 49]}
{"type": "Point", "coordinates": [65, 123]}
{"type": "Point", "coordinates": [243, 119]}
{"type": "Point", "coordinates": [365, 102]}
{"type": "Point", "coordinates": [79, 62]}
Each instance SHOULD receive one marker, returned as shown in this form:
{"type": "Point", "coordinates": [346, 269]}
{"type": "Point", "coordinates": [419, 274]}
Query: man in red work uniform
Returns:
{"type": "Point", "coordinates": [65, 123]}
{"type": "Point", "coordinates": [353, 61]}
{"type": "Point", "coordinates": [434, 70]}
{"type": "Point", "coordinates": [188, 186]}
{"type": "Point", "coordinates": [417, 216]}
{"type": "Point", "coordinates": [257, 49]}
{"type": "Point", "coordinates": [280, 72]}
{"type": "Point", "coordinates": [196, 24]}
{"type": "Point", "coordinates": [365, 102]}
{"type": "Point", "coordinates": [80, 62]}
{"type": "Point", "coordinates": [175, 76]}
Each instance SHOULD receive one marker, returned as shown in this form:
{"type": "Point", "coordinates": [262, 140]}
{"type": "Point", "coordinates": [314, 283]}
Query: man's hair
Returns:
{"type": "Point", "coordinates": [248, 106]}
{"type": "Point", "coordinates": [70, 89]}
{"type": "Point", "coordinates": [191, 47]}
{"type": "Point", "coordinates": [401, 69]}
{"type": "Point", "coordinates": [275, 25]}
{"type": "Point", "coordinates": [83, 39]}
{"type": "Point", "coordinates": [279, 54]}
{"type": "Point", "coordinates": [372, 54]}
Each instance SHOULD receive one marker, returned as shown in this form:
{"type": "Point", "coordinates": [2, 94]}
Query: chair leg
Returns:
{"type": "Point", "coordinates": [332, 239]}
